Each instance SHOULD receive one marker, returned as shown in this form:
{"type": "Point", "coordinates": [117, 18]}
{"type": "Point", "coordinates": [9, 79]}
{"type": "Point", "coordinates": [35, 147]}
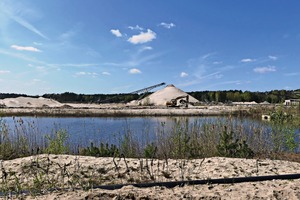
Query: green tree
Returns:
{"type": "Point", "coordinates": [247, 96]}
{"type": "Point", "coordinates": [237, 96]}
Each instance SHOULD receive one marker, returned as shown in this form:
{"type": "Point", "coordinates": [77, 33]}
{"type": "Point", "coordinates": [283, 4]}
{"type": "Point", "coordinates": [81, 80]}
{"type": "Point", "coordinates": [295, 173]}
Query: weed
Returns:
{"type": "Point", "coordinates": [229, 147]}
{"type": "Point", "coordinates": [150, 151]}
{"type": "Point", "coordinates": [105, 150]}
{"type": "Point", "coordinates": [57, 142]}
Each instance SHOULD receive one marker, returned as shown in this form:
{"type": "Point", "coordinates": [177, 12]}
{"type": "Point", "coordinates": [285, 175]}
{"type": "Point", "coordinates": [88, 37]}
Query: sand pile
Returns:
{"type": "Point", "coordinates": [28, 102]}
{"type": "Point", "coordinates": [164, 95]}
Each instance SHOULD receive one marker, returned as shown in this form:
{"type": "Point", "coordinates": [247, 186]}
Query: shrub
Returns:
{"type": "Point", "coordinates": [105, 150]}
{"type": "Point", "coordinates": [228, 147]}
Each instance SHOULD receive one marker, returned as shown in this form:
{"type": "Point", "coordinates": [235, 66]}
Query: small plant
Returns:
{"type": "Point", "coordinates": [18, 186]}
{"type": "Point", "coordinates": [181, 140]}
{"type": "Point", "coordinates": [128, 145]}
{"type": "Point", "coordinates": [6, 145]}
{"type": "Point", "coordinates": [150, 151]}
{"type": "Point", "coordinates": [228, 147]}
{"type": "Point", "coordinates": [105, 150]}
{"type": "Point", "coordinates": [57, 143]}
{"type": "Point", "coordinates": [39, 183]}
{"type": "Point", "coordinates": [284, 135]}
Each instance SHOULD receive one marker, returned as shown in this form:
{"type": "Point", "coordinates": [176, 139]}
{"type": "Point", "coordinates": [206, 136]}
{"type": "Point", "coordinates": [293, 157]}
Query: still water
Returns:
{"type": "Point", "coordinates": [84, 130]}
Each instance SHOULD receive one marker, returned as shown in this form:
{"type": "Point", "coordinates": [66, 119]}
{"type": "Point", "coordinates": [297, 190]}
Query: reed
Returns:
{"type": "Point", "coordinates": [182, 138]}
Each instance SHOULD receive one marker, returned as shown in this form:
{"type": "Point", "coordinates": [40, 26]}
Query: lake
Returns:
{"type": "Point", "coordinates": [84, 130]}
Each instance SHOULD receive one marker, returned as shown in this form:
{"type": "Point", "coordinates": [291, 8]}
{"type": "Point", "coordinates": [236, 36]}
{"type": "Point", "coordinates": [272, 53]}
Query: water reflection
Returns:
{"type": "Point", "coordinates": [84, 130]}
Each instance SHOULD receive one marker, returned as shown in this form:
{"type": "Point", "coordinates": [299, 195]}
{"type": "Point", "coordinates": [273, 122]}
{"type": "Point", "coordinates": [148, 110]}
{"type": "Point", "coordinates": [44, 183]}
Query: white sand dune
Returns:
{"type": "Point", "coordinates": [28, 102]}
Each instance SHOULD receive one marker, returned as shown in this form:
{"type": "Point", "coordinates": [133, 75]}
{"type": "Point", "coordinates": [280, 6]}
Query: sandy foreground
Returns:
{"type": "Point", "coordinates": [68, 171]}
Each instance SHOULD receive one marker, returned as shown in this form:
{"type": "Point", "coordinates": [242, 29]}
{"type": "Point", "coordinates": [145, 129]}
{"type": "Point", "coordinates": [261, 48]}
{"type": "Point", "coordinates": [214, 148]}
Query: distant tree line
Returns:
{"type": "Point", "coordinates": [14, 95]}
{"type": "Point", "coordinates": [69, 97]}
{"type": "Point", "coordinates": [274, 96]}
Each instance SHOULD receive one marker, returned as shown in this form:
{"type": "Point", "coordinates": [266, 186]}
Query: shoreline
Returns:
{"type": "Point", "coordinates": [124, 111]}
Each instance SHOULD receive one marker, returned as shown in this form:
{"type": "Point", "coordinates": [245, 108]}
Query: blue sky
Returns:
{"type": "Point", "coordinates": [118, 46]}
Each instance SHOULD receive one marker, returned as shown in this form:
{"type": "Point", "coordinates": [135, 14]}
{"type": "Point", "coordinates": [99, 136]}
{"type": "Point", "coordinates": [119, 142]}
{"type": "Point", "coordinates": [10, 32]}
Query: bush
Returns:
{"type": "Point", "coordinates": [228, 147]}
{"type": "Point", "coordinates": [105, 150]}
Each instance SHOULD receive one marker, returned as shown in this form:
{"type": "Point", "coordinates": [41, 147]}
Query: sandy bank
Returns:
{"type": "Point", "coordinates": [122, 111]}
{"type": "Point", "coordinates": [118, 112]}
{"type": "Point", "coordinates": [73, 171]}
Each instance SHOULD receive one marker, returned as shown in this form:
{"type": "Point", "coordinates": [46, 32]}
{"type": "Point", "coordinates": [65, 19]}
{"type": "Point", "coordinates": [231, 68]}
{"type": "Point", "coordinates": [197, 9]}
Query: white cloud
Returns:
{"type": "Point", "coordinates": [75, 65]}
{"type": "Point", "coordinates": [36, 80]}
{"type": "Point", "coordinates": [30, 59]}
{"type": "Point", "coordinates": [207, 56]}
{"type": "Point", "coordinates": [17, 12]}
{"type": "Point", "coordinates": [217, 62]}
{"type": "Point", "coordinates": [183, 74]}
{"type": "Point", "coordinates": [135, 71]}
{"type": "Point", "coordinates": [80, 73]}
{"type": "Point", "coordinates": [218, 76]}
{"type": "Point", "coordinates": [137, 27]}
{"type": "Point", "coordinates": [21, 48]}
{"type": "Point", "coordinates": [38, 43]}
{"type": "Point", "coordinates": [105, 73]}
{"type": "Point", "coordinates": [134, 61]}
{"type": "Point", "coordinates": [93, 74]}
{"type": "Point", "coordinates": [166, 25]}
{"type": "Point", "coordinates": [41, 68]}
{"type": "Point", "coordinates": [199, 79]}
{"type": "Point", "coordinates": [292, 74]}
{"type": "Point", "coordinates": [272, 57]}
{"type": "Point", "coordinates": [146, 48]}
{"type": "Point", "coordinates": [4, 71]}
{"type": "Point", "coordinates": [67, 35]}
{"type": "Point", "coordinates": [246, 60]}
{"type": "Point", "coordinates": [263, 70]}
{"type": "Point", "coordinates": [28, 26]}
{"type": "Point", "coordinates": [143, 37]}
{"type": "Point", "coordinates": [93, 53]}
{"type": "Point", "coordinates": [116, 32]}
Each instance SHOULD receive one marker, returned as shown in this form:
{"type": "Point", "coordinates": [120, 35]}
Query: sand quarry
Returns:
{"type": "Point", "coordinates": [157, 100]}
{"type": "Point", "coordinates": [73, 172]}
